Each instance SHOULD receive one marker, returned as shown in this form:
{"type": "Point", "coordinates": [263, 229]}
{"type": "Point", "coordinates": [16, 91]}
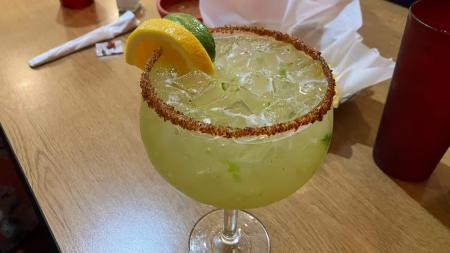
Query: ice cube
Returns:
{"type": "Point", "coordinates": [259, 84]}
{"type": "Point", "coordinates": [285, 54]}
{"type": "Point", "coordinates": [162, 76]}
{"type": "Point", "coordinates": [194, 82]}
{"type": "Point", "coordinates": [284, 88]}
{"type": "Point", "coordinates": [313, 87]}
{"type": "Point", "coordinates": [240, 115]}
{"type": "Point", "coordinates": [280, 111]}
{"type": "Point", "coordinates": [213, 93]}
{"type": "Point", "coordinates": [255, 103]}
{"type": "Point", "coordinates": [172, 95]}
{"type": "Point", "coordinates": [260, 45]}
{"type": "Point", "coordinates": [227, 117]}
{"type": "Point", "coordinates": [239, 107]}
{"type": "Point", "coordinates": [238, 61]}
{"type": "Point", "coordinates": [261, 60]}
{"type": "Point", "coordinates": [230, 86]}
{"type": "Point", "coordinates": [309, 71]}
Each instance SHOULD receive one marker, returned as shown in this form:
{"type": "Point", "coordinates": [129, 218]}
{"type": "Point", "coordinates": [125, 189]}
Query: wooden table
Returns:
{"type": "Point", "coordinates": [73, 124]}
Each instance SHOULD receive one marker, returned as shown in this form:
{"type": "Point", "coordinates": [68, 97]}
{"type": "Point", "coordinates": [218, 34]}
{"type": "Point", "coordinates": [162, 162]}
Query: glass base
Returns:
{"type": "Point", "coordinates": [207, 236]}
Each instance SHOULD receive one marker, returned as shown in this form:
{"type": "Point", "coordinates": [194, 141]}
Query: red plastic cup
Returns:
{"type": "Point", "coordinates": [414, 131]}
{"type": "Point", "coordinates": [76, 4]}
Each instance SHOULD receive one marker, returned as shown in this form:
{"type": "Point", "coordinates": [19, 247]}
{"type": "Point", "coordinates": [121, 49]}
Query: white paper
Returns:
{"type": "Point", "coordinates": [328, 25]}
{"type": "Point", "coordinates": [108, 48]}
{"type": "Point", "coordinates": [124, 23]}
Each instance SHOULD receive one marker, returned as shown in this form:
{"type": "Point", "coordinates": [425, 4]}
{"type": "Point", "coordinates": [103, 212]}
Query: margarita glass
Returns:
{"type": "Point", "coordinates": [250, 135]}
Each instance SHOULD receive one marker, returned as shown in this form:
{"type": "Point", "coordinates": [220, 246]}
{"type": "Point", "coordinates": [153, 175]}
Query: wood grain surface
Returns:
{"type": "Point", "coordinates": [73, 124]}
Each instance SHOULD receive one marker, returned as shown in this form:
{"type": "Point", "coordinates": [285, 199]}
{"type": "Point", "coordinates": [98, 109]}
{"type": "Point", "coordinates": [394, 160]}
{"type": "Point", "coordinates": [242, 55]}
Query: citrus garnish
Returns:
{"type": "Point", "coordinates": [180, 48]}
{"type": "Point", "coordinates": [199, 30]}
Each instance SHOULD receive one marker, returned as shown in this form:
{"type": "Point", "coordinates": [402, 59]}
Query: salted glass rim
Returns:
{"type": "Point", "coordinates": [169, 113]}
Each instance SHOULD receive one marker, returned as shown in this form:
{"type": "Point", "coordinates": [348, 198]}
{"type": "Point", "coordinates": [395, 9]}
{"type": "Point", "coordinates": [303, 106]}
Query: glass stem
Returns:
{"type": "Point", "coordinates": [230, 233]}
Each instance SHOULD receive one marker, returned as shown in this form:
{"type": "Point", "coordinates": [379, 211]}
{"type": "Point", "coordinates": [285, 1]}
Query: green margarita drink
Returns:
{"type": "Point", "coordinates": [258, 82]}
{"type": "Point", "coordinates": [234, 117]}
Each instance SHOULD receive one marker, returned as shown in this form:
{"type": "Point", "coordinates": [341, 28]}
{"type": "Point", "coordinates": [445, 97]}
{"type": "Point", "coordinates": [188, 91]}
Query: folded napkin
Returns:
{"type": "Point", "coordinates": [328, 25]}
{"type": "Point", "coordinates": [124, 23]}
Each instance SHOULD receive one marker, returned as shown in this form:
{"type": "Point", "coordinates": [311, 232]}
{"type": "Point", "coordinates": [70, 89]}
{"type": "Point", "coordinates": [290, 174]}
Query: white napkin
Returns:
{"type": "Point", "coordinates": [124, 23]}
{"type": "Point", "coordinates": [328, 25]}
